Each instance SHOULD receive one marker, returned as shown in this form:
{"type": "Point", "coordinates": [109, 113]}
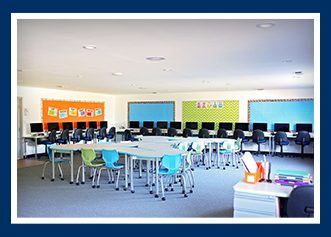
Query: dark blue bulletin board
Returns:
{"type": "Point", "coordinates": [151, 111]}
{"type": "Point", "coordinates": [290, 111]}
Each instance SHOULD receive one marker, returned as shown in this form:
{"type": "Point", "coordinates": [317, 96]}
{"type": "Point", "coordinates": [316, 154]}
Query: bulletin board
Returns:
{"type": "Point", "coordinates": [290, 111]}
{"type": "Point", "coordinates": [151, 111]}
{"type": "Point", "coordinates": [210, 111]}
{"type": "Point", "coordinates": [71, 111]}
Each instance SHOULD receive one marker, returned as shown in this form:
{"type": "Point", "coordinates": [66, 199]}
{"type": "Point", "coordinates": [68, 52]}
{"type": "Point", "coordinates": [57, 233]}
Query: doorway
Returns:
{"type": "Point", "coordinates": [19, 127]}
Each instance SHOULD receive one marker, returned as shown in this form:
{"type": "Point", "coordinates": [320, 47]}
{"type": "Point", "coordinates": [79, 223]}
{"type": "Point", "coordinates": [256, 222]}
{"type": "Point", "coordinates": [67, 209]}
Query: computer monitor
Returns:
{"type": "Point", "coordinates": [304, 127]}
{"type": "Point", "coordinates": [36, 127]}
{"type": "Point", "coordinates": [92, 124]}
{"type": "Point", "coordinates": [81, 125]}
{"type": "Point", "coordinates": [67, 125]}
{"type": "Point", "coordinates": [148, 124]}
{"type": "Point", "coordinates": [226, 126]}
{"type": "Point", "coordinates": [242, 126]}
{"type": "Point", "coordinates": [285, 127]}
{"type": "Point", "coordinates": [103, 124]}
{"type": "Point", "coordinates": [53, 126]}
{"type": "Point", "coordinates": [261, 126]}
{"type": "Point", "coordinates": [177, 125]}
{"type": "Point", "coordinates": [134, 124]}
{"type": "Point", "coordinates": [208, 125]}
{"type": "Point", "coordinates": [162, 124]}
{"type": "Point", "coordinates": [192, 125]}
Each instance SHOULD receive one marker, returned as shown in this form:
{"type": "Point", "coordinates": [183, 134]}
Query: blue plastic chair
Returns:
{"type": "Point", "coordinates": [58, 160]}
{"type": "Point", "coordinates": [171, 164]}
{"type": "Point", "coordinates": [110, 157]}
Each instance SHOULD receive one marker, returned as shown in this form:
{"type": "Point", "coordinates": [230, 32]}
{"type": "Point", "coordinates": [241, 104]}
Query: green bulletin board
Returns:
{"type": "Point", "coordinates": [227, 111]}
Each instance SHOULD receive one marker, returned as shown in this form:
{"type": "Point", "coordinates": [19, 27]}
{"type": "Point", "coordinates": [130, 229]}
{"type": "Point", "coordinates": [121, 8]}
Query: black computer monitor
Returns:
{"type": "Point", "coordinates": [36, 127]}
{"type": "Point", "coordinates": [285, 127]}
{"type": "Point", "coordinates": [242, 126]}
{"type": "Point", "coordinates": [304, 127]}
{"type": "Point", "coordinates": [208, 125]}
{"type": "Point", "coordinates": [53, 126]}
{"type": "Point", "coordinates": [81, 125]}
{"type": "Point", "coordinates": [92, 124]}
{"type": "Point", "coordinates": [162, 124]}
{"type": "Point", "coordinates": [148, 124]}
{"type": "Point", "coordinates": [67, 125]}
{"type": "Point", "coordinates": [192, 125]}
{"type": "Point", "coordinates": [103, 124]}
{"type": "Point", "coordinates": [134, 124]}
{"type": "Point", "coordinates": [261, 126]}
{"type": "Point", "coordinates": [226, 126]}
{"type": "Point", "coordinates": [177, 125]}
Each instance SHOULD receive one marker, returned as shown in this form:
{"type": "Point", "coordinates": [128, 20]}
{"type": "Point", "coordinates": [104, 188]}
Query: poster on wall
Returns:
{"type": "Point", "coordinates": [89, 112]}
{"type": "Point", "coordinates": [209, 104]}
{"type": "Point", "coordinates": [98, 112]}
{"type": "Point", "coordinates": [73, 111]}
{"type": "Point", "coordinates": [81, 112]}
{"type": "Point", "coordinates": [63, 113]}
{"type": "Point", "coordinates": [52, 111]}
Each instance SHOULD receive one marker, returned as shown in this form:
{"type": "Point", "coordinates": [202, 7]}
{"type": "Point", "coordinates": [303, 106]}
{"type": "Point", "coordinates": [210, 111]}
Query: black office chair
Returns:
{"type": "Point", "coordinates": [187, 132]}
{"type": "Point", "coordinates": [102, 134]}
{"type": "Point", "coordinates": [51, 139]}
{"type": "Point", "coordinates": [156, 131]}
{"type": "Point", "coordinates": [77, 136]}
{"type": "Point", "coordinates": [303, 139]}
{"type": "Point", "coordinates": [172, 132]}
{"type": "Point", "coordinates": [222, 133]}
{"type": "Point", "coordinates": [127, 135]}
{"type": "Point", "coordinates": [204, 133]}
{"type": "Point", "coordinates": [144, 131]}
{"type": "Point", "coordinates": [258, 138]}
{"type": "Point", "coordinates": [301, 202]}
{"type": "Point", "coordinates": [111, 134]}
{"type": "Point", "coordinates": [238, 133]}
{"type": "Point", "coordinates": [64, 138]}
{"type": "Point", "coordinates": [281, 140]}
{"type": "Point", "coordinates": [89, 135]}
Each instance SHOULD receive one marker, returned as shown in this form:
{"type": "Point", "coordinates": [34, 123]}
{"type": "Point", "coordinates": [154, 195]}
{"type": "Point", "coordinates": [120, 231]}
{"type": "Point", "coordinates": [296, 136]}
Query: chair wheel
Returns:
{"type": "Point", "coordinates": [163, 199]}
{"type": "Point", "coordinates": [71, 182]}
{"type": "Point", "coordinates": [117, 189]}
{"type": "Point", "coordinates": [93, 186]}
{"type": "Point", "coordinates": [191, 191]}
{"type": "Point", "coordinates": [124, 189]}
{"type": "Point", "coordinates": [52, 180]}
{"type": "Point", "coordinates": [62, 179]}
{"type": "Point", "coordinates": [156, 196]}
{"type": "Point", "coordinates": [132, 191]}
{"type": "Point", "coordinates": [42, 177]}
{"type": "Point", "coordinates": [98, 186]}
{"type": "Point", "coordinates": [172, 189]}
{"type": "Point", "coordinates": [82, 182]}
{"type": "Point", "coordinates": [183, 191]}
{"type": "Point", "coordinates": [140, 177]}
{"type": "Point", "coordinates": [151, 192]}
{"type": "Point", "coordinates": [166, 189]}
{"type": "Point", "coordinates": [77, 184]}
{"type": "Point", "coordinates": [192, 186]}
{"type": "Point", "coordinates": [185, 195]}
{"type": "Point", "coordinates": [223, 168]}
{"type": "Point", "coordinates": [109, 182]}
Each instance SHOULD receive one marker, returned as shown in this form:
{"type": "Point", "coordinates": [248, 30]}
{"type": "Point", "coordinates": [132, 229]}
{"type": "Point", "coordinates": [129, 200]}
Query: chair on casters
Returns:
{"type": "Point", "coordinates": [88, 156]}
{"type": "Point", "coordinates": [110, 157]}
{"type": "Point", "coordinates": [258, 138]}
{"type": "Point", "coordinates": [127, 135]}
{"type": "Point", "coordinates": [89, 135]}
{"type": "Point", "coordinates": [229, 148]}
{"type": "Point", "coordinates": [170, 166]}
{"type": "Point", "coordinates": [187, 132]}
{"type": "Point", "coordinates": [58, 160]}
{"type": "Point", "coordinates": [102, 134]}
{"type": "Point", "coordinates": [198, 148]}
{"type": "Point", "coordinates": [303, 139]}
{"type": "Point", "coordinates": [144, 131]}
{"type": "Point", "coordinates": [77, 136]}
{"type": "Point", "coordinates": [111, 135]}
{"type": "Point", "coordinates": [204, 133]}
{"type": "Point", "coordinates": [156, 132]}
{"type": "Point", "coordinates": [240, 133]}
{"type": "Point", "coordinates": [222, 133]}
{"type": "Point", "coordinates": [301, 202]}
{"type": "Point", "coordinates": [51, 139]}
{"type": "Point", "coordinates": [64, 138]}
{"type": "Point", "coordinates": [281, 140]}
{"type": "Point", "coordinates": [172, 132]}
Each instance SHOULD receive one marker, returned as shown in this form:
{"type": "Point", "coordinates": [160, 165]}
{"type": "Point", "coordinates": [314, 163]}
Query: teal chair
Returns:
{"type": "Point", "coordinates": [58, 160]}
{"type": "Point", "coordinates": [228, 151]}
{"type": "Point", "coordinates": [88, 156]}
{"type": "Point", "coordinates": [170, 166]}
{"type": "Point", "coordinates": [111, 157]}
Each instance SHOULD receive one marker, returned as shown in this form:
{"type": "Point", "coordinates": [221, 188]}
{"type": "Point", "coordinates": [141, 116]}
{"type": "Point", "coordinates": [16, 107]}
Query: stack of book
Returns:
{"type": "Point", "coordinates": [292, 178]}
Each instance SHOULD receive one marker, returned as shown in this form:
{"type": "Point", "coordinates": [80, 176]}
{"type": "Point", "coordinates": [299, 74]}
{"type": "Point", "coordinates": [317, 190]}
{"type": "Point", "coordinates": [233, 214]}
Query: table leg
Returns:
{"type": "Point", "coordinates": [131, 174]}
{"type": "Point", "coordinates": [157, 177]}
{"type": "Point", "coordinates": [71, 167]}
{"type": "Point", "coordinates": [35, 151]}
{"type": "Point", "coordinates": [53, 165]}
{"type": "Point", "coordinates": [126, 171]}
{"type": "Point", "coordinates": [83, 172]}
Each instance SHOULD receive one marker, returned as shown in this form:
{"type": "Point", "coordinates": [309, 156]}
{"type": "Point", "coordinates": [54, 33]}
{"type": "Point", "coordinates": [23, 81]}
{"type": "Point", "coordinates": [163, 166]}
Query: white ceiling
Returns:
{"type": "Point", "coordinates": [202, 55]}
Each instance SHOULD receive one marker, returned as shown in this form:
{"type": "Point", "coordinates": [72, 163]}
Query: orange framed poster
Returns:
{"type": "Point", "coordinates": [71, 111]}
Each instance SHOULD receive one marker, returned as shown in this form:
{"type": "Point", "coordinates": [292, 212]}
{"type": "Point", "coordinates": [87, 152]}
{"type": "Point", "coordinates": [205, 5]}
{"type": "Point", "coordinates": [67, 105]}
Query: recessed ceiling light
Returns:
{"type": "Point", "coordinates": [205, 81]}
{"type": "Point", "coordinates": [288, 61]}
{"type": "Point", "coordinates": [142, 88]}
{"type": "Point", "coordinates": [155, 58]}
{"type": "Point", "coordinates": [80, 76]}
{"type": "Point", "coordinates": [117, 73]}
{"type": "Point", "coordinates": [265, 25]}
{"type": "Point", "coordinates": [133, 84]}
{"type": "Point", "coordinates": [167, 69]}
{"type": "Point", "coordinates": [89, 46]}
{"type": "Point", "coordinates": [298, 73]}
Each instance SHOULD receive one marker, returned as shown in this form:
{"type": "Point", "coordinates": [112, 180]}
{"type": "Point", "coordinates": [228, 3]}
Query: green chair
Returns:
{"type": "Point", "coordinates": [188, 171]}
{"type": "Point", "coordinates": [197, 151]}
{"type": "Point", "coordinates": [229, 147]}
{"type": "Point", "coordinates": [237, 152]}
{"type": "Point", "coordinates": [88, 156]}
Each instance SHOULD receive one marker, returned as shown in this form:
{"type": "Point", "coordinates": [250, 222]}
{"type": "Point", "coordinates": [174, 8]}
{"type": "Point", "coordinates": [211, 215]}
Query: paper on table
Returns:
{"type": "Point", "coordinates": [249, 163]}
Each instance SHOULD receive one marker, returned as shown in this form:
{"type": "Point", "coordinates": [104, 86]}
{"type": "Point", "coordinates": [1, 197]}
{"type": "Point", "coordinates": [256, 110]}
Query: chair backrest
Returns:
{"type": "Point", "coordinates": [222, 133]}
{"type": "Point", "coordinates": [88, 155]}
{"type": "Point", "coordinates": [258, 135]}
{"type": "Point", "coordinates": [112, 131]}
{"type": "Point", "coordinates": [229, 145]}
{"type": "Point", "coordinates": [102, 132]}
{"type": "Point", "coordinates": [204, 133]}
{"type": "Point", "coordinates": [144, 131]}
{"type": "Point", "coordinates": [238, 133]}
{"type": "Point", "coordinates": [182, 146]}
{"type": "Point", "coordinates": [172, 163]}
{"type": "Point", "coordinates": [238, 143]}
{"type": "Point", "coordinates": [303, 136]}
{"type": "Point", "coordinates": [49, 151]}
{"type": "Point", "coordinates": [110, 157]}
{"type": "Point", "coordinates": [78, 134]}
{"type": "Point", "coordinates": [127, 134]}
{"type": "Point", "coordinates": [281, 136]}
{"type": "Point", "coordinates": [172, 132]}
{"type": "Point", "coordinates": [187, 132]}
{"type": "Point", "coordinates": [301, 202]}
{"type": "Point", "coordinates": [90, 133]}
{"type": "Point", "coordinates": [157, 131]}
{"type": "Point", "coordinates": [198, 145]}
{"type": "Point", "coordinates": [52, 136]}
{"type": "Point", "coordinates": [65, 135]}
